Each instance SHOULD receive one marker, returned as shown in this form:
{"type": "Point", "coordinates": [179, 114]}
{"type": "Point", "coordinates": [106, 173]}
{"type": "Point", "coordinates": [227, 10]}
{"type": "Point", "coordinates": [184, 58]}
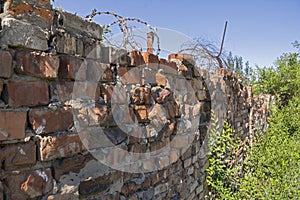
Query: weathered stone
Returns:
{"type": "Point", "coordinates": [73, 23]}
{"type": "Point", "coordinates": [53, 147]}
{"type": "Point", "coordinates": [161, 79]}
{"type": "Point", "coordinates": [44, 66]}
{"type": "Point", "coordinates": [34, 12]}
{"type": "Point", "coordinates": [18, 33]}
{"type": "Point", "coordinates": [51, 120]}
{"type": "Point", "coordinates": [5, 64]}
{"type": "Point", "coordinates": [16, 156]}
{"type": "Point", "coordinates": [12, 124]}
{"type": "Point", "coordinates": [38, 183]}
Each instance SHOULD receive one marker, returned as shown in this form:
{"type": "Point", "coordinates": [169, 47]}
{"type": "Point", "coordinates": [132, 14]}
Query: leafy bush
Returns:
{"type": "Point", "coordinates": [273, 168]}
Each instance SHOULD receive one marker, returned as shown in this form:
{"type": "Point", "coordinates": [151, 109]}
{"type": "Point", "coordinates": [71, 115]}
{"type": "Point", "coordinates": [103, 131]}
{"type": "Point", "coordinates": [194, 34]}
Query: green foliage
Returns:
{"type": "Point", "coordinates": [273, 168]}
{"type": "Point", "coordinates": [222, 176]}
{"type": "Point", "coordinates": [282, 81]}
{"type": "Point", "coordinates": [243, 70]}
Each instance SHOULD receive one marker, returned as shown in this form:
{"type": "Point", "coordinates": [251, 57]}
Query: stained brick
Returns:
{"type": "Point", "coordinates": [98, 185]}
{"type": "Point", "coordinates": [66, 90]}
{"type": "Point", "coordinates": [136, 58]}
{"type": "Point", "coordinates": [51, 120]}
{"type": "Point", "coordinates": [71, 67]}
{"type": "Point", "coordinates": [28, 185]}
{"type": "Point", "coordinates": [61, 146]}
{"type": "Point", "coordinates": [141, 113]}
{"type": "Point", "coordinates": [38, 65]}
{"type": "Point", "coordinates": [12, 124]}
{"type": "Point", "coordinates": [27, 93]}
{"type": "Point", "coordinates": [16, 156]}
{"type": "Point", "coordinates": [150, 58]}
{"type": "Point", "coordinates": [38, 183]}
{"type": "Point", "coordinates": [68, 165]}
{"type": "Point", "coordinates": [141, 95]}
{"type": "Point", "coordinates": [5, 64]}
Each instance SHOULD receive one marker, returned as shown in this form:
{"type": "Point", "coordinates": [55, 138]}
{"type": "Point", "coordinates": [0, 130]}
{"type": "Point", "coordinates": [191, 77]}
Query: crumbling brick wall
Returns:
{"type": "Point", "coordinates": [58, 85]}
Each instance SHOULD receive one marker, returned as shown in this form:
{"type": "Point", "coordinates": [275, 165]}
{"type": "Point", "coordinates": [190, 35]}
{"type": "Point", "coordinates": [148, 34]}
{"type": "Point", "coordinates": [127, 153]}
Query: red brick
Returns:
{"type": "Point", "coordinates": [44, 66]}
{"type": "Point", "coordinates": [38, 183]}
{"type": "Point", "coordinates": [16, 156]}
{"type": "Point", "coordinates": [68, 165]}
{"type": "Point", "coordinates": [50, 120]}
{"type": "Point", "coordinates": [161, 79]}
{"type": "Point", "coordinates": [150, 58]}
{"type": "Point", "coordinates": [30, 184]}
{"type": "Point", "coordinates": [5, 64]}
{"type": "Point", "coordinates": [99, 72]}
{"type": "Point", "coordinates": [141, 113]}
{"type": "Point", "coordinates": [167, 67]}
{"type": "Point", "coordinates": [27, 94]}
{"type": "Point", "coordinates": [12, 124]}
{"type": "Point", "coordinates": [136, 58]}
{"type": "Point", "coordinates": [131, 76]}
{"type": "Point", "coordinates": [141, 95]}
{"type": "Point", "coordinates": [63, 90]}
{"type": "Point", "coordinates": [99, 184]}
{"type": "Point", "coordinates": [69, 68]}
{"type": "Point", "coordinates": [61, 146]}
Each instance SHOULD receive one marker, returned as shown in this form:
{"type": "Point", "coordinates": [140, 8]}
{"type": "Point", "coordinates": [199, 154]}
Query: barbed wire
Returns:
{"type": "Point", "coordinates": [205, 53]}
{"type": "Point", "coordinates": [128, 31]}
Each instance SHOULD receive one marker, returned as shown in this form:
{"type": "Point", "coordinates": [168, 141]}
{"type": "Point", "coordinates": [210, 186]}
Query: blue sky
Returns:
{"type": "Point", "coordinates": [258, 30]}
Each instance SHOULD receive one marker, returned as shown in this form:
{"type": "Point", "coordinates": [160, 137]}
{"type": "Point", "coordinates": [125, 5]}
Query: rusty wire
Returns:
{"type": "Point", "coordinates": [128, 31]}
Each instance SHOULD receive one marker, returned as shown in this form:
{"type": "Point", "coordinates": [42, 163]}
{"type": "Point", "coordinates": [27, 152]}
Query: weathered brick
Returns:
{"type": "Point", "coordinates": [130, 75]}
{"type": "Point", "coordinates": [27, 93]}
{"type": "Point", "coordinates": [65, 166]}
{"type": "Point", "coordinates": [141, 113]}
{"type": "Point", "coordinates": [51, 120]}
{"type": "Point", "coordinates": [74, 23]}
{"type": "Point", "coordinates": [29, 184]}
{"type": "Point", "coordinates": [167, 67]}
{"type": "Point", "coordinates": [16, 156]}
{"type": "Point", "coordinates": [18, 33]}
{"type": "Point", "coordinates": [99, 72]}
{"type": "Point", "coordinates": [141, 95]}
{"type": "Point", "coordinates": [61, 146]}
{"type": "Point", "coordinates": [5, 64]}
{"type": "Point", "coordinates": [161, 79]}
{"type": "Point", "coordinates": [150, 58]}
{"type": "Point", "coordinates": [98, 185]}
{"type": "Point", "coordinates": [66, 90]}
{"type": "Point", "coordinates": [71, 67]}
{"type": "Point", "coordinates": [44, 66]}
{"type": "Point", "coordinates": [136, 58]}
{"type": "Point", "coordinates": [12, 124]}
{"type": "Point", "coordinates": [38, 183]}
{"type": "Point", "coordinates": [22, 8]}
{"type": "Point", "coordinates": [69, 44]}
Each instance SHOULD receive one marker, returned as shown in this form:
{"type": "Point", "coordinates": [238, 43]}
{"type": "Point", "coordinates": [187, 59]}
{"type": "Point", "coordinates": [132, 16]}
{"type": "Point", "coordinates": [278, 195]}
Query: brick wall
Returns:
{"type": "Point", "coordinates": [66, 103]}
